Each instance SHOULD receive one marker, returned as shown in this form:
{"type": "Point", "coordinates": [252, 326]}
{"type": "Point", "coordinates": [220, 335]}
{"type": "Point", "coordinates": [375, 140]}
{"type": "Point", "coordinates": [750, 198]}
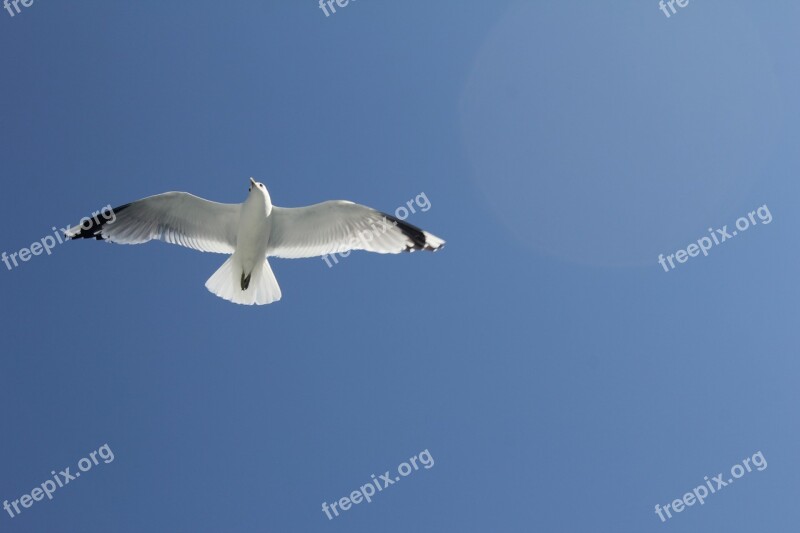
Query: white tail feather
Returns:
{"type": "Point", "coordinates": [226, 283]}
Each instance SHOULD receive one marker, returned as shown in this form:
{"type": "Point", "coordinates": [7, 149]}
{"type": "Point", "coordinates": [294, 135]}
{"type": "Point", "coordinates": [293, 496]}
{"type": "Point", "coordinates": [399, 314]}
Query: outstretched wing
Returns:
{"type": "Point", "coordinates": [173, 217]}
{"type": "Point", "coordinates": [339, 226]}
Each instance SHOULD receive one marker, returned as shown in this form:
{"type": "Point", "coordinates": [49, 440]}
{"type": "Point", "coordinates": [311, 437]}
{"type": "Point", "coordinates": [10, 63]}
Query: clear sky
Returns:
{"type": "Point", "coordinates": [558, 377]}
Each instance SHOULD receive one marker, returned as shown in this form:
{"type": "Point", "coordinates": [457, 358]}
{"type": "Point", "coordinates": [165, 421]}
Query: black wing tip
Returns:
{"type": "Point", "coordinates": [418, 238]}
{"type": "Point", "coordinates": [96, 225]}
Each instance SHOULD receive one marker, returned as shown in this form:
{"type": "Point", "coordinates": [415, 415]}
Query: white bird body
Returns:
{"type": "Point", "coordinates": [255, 223]}
{"type": "Point", "coordinates": [254, 230]}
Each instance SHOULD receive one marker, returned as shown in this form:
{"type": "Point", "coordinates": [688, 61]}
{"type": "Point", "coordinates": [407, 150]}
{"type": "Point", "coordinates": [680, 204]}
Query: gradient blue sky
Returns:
{"type": "Point", "coordinates": [561, 380]}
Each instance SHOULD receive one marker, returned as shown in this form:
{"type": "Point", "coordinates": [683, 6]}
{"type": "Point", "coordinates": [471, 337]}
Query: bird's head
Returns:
{"type": "Point", "coordinates": [257, 186]}
{"type": "Point", "coordinates": [259, 190]}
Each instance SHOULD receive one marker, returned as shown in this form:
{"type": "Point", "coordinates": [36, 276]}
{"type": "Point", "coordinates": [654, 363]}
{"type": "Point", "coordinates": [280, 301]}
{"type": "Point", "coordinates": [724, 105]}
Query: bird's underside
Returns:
{"type": "Point", "coordinates": [251, 232]}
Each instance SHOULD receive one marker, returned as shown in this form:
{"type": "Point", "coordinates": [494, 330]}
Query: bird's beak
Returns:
{"type": "Point", "coordinates": [252, 181]}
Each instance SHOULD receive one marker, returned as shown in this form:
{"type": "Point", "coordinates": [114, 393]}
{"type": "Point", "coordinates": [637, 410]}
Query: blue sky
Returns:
{"type": "Point", "coordinates": [559, 378]}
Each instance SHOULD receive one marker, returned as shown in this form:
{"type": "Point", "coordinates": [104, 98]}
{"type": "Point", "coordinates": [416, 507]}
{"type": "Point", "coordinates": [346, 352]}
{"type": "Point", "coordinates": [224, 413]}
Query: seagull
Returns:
{"type": "Point", "coordinates": [253, 231]}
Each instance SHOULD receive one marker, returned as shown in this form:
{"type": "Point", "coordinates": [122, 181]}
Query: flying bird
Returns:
{"type": "Point", "coordinates": [253, 231]}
